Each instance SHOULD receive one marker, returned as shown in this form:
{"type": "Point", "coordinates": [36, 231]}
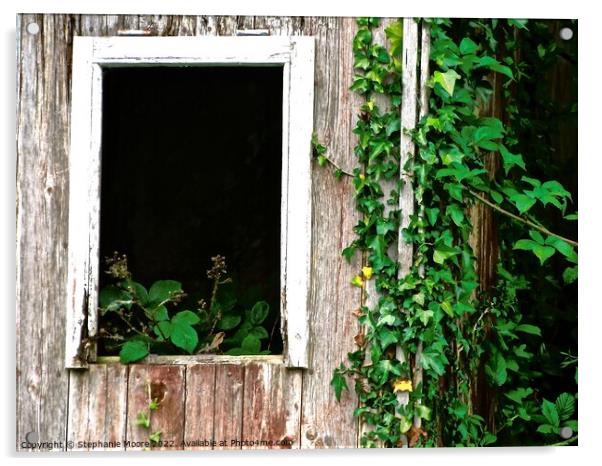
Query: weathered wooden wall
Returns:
{"type": "Point", "coordinates": [252, 400]}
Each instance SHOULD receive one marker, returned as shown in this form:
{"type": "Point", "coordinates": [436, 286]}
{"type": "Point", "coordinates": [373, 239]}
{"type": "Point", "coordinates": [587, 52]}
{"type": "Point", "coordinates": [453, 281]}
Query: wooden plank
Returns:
{"type": "Point", "coordinates": [409, 101]}
{"type": "Point", "coordinates": [98, 407]}
{"type": "Point", "coordinates": [228, 407]}
{"type": "Point", "coordinates": [272, 407]}
{"type": "Point", "coordinates": [370, 296]}
{"type": "Point", "coordinates": [42, 141]}
{"type": "Point", "coordinates": [200, 405]}
{"type": "Point", "coordinates": [294, 306]}
{"type": "Point", "coordinates": [326, 422]}
{"type": "Point", "coordinates": [166, 384]}
{"type": "Point", "coordinates": [208, 49]}
{"type": "Point", "coordinates": [423, 92]}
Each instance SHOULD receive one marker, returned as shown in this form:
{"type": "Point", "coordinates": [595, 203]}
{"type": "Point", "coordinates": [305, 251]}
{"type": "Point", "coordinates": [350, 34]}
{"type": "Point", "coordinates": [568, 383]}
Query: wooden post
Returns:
{"type": "Point", "coordinates": [409, 99]}
{"type": "Point", "coordinates": [425, 52]}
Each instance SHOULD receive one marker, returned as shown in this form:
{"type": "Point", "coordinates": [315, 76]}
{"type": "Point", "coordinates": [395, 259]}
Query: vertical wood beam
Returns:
{"type": "Point", "coordinates": [409, 99]}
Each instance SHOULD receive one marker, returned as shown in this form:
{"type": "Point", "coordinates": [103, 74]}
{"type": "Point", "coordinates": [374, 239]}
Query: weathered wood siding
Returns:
{"type": "Point", "coordinates": [260, 400]}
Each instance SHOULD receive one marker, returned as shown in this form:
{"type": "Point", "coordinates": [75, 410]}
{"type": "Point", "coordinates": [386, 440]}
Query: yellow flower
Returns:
{"type": "Point", "coordinates": [367, 271]}
{"type": "Point", "coordinates": [402, 385]}
{"type": "Point", "coordinates": [357, 281]}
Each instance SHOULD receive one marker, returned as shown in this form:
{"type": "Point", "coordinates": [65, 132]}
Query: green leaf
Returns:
{"type": "Point", "coordinates": [163, 329]}
{"type": "Point", "coordinates": [447, 80]}
{"type": "Point", "coordinates": [259, 332]}
{"type": "Point", "coordinates": [522, 202]}
{"type": "Point", "coordinates": [183, 336]}
{"type": "Point", "coordinates": [563, 248]}
{"type": "Point", "coordinates": [339, 383]}
{"type": "Point", "coordinates": [443, 252]}
{"type": "Point", "coordinates": [519, 394]}
{"type": "Point", "coordinates": [133, 351]}
{"type": "Point", "coordinates": [386, 337]}
{"type": "Point", "coordinates": [185, 317]}
{"type": "Point", "coordinates": [547, 429]}
{"type": "Point", "coordinates": [251, 344]}
{"type": "Point", "coordinates": [494, 65]}
{"type": "Point", "coordinates": [162, 290]}
{"type": "Point", "coordinates": [518, 23]}
{"type": "Point", "coordinates": [155, 437]}
{"type": "Point", "coordinates": [467, 46]}
{"type": "Point", "coordinates": [138, 291]}
{"type": "Point", "coordinates": [565, 406]}
{"type": "Point", "coordinates": [425, 315]}
{"type": "Point", "coordinates": [142, 420]}
{"type": "Point", "coordinates": [228, 322]}
{"type": "Point", "coordinates": [447, 307]}
{"type": "Point", "coordinates": [550, 413]}
{"type": "Point", "coordinates": [112, 298]}
{"type": "Point", "coordinates": [159, 313]}
{"type": "Point", "coordinates": [569, 275]}
{"type": "Point", "coordinates": [543, 253]}
{"type": "Point", "coordinates": [510, 160]}
{"type": "Point", "coordinates": [259, 312]}
{"type": "Point", "coordinates": [527, 328]}
{"type": "Point", "coordinates": [456, 213]}
{"type": "Point", "coordinates": [424, 412]}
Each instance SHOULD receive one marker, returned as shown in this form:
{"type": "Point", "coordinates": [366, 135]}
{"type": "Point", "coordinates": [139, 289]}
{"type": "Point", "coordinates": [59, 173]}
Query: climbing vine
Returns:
{"type": "Point", "coordinates": [453, 332]}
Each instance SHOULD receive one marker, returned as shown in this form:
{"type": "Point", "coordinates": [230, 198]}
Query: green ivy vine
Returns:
{"type": "Point", "coordinates": [451, 329]}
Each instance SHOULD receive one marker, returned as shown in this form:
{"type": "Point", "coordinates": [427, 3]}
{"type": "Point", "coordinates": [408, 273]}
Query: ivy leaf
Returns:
{"type": "Point", "coordinates": [447, 308]}
{"type": "Point", "coordinates": [133, 351]}
{"type": "Point", "coordinates": [456, 213]}
{"type": "Point", "coordinates": [569, 275]}
{"type": "Point", "coordinates": [563, 248]}
{"type": "Point", "coordinates": [543, 253]}
{"type": "Point", "coordinates": [142, 420]}
{"type": "Point", "coordinates": [519, 394]}
{"type": "Point", "coordinates": [510, 160]}
{"type": "Point", "coordinates": [522, 202]}
{"type": "Point", "coordinates": [518, 23]}
{"type": "Point", "coordinates": [494, 65]}
{"type": "Point", "coordinates": [447, 80]}
{"type": "Point", "coordinates": [443, 252]}
{"type": "Point", "coordinates": [530, 329]}
{"type": "Point", "coordinates": [467, 46]}
{"type": "Point", "coordinates": [339, 383]}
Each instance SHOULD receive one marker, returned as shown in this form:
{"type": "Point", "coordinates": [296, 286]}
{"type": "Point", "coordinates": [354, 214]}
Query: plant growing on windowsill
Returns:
{"type": "Point", "coordinates": [155, 321]}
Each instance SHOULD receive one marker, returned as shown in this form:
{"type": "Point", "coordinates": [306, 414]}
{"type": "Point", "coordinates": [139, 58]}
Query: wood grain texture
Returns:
{"type": "Point", "coordinates": [166, 384]}
{"type": "Point", "coordinates": [200, 405]}
{"type": "Point", "coordinates": [409, 101]}
{"type": "Point", "coordinates": [98, 407]}
{"type": "Point", "coordinates": [228, 406]}
{"type": "Point", "coordinates": [42, 187]}
{"type": "Point", "coordinates": [326, 422]}
{"type": "Point", "coordinates": [43, 137]}
{"type": "Point", "coordinates": [272, 407]}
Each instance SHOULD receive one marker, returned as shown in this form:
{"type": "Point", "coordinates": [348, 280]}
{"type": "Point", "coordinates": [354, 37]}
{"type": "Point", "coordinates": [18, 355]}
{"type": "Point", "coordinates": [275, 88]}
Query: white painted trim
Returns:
{"type": "Point", "coordinates": [90, 55]}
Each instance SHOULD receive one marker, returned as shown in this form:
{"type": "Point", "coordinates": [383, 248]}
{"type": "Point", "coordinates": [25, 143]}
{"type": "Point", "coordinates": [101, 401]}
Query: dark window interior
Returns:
{"type": "Point", "coordinates": [191, 168]}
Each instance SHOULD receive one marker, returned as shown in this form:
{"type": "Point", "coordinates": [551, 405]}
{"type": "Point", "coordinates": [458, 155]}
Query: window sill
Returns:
{"type": "Point", "coordinates": [199, 359]}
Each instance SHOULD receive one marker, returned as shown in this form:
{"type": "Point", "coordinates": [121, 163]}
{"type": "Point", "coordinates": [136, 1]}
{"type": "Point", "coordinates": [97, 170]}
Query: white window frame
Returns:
{"type": "Point", "coordinates": [90, 56]}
